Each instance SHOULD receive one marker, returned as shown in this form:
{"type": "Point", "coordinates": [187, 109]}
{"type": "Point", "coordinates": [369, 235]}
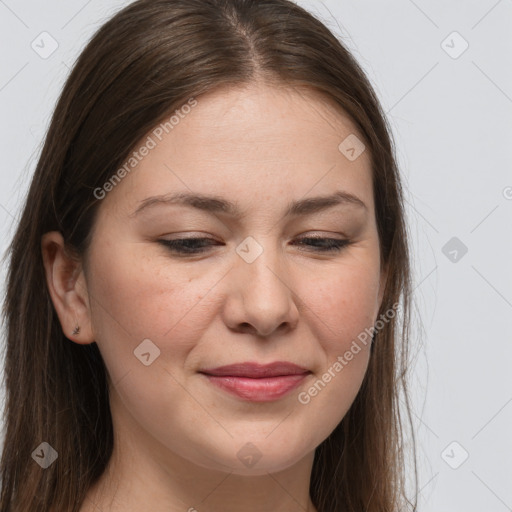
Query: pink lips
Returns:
{"type": "Point", "coordinates": [256, 382]}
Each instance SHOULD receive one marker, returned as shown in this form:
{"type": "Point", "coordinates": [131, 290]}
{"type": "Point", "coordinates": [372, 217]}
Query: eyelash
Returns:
{"type": "Point", "coordinates": [182, 245]}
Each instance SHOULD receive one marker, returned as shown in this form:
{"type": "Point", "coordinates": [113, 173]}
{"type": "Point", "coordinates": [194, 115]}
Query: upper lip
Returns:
{"type": "Point", "coordinates": [256, 370]}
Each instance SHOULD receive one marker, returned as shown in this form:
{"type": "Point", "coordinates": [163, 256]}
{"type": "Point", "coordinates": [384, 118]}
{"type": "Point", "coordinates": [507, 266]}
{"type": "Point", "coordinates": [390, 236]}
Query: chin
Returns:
{"type": "Point", "coordinates": [254, 456]}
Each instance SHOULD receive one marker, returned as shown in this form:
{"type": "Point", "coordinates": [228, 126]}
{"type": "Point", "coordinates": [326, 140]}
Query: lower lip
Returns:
{"type": "Point", "coordinates": [258, 390]}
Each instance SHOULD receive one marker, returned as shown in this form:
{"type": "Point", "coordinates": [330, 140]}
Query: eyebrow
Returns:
{"type": "Point", "coordinates": [216, 204]}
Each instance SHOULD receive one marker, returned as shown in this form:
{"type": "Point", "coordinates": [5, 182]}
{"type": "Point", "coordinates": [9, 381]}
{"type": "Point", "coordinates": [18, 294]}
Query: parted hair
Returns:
{"type": "Point", "coordinates": [142, 64]}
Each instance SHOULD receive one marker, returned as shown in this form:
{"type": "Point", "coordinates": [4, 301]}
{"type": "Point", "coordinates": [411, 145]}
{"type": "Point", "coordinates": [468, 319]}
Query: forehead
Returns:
{"type": "Point", "coordinates": [258, 141]}
{"type": "Point", "coordinates": [279, 117]}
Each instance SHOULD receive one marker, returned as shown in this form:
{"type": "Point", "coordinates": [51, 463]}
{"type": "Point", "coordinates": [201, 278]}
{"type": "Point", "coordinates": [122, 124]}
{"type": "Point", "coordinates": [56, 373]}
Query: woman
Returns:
{"type": "Point", "coordinates": [203, 289]}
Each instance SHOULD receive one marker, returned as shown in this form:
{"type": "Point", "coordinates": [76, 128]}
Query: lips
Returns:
{"type": "Point", "coordinates": [255, 382]}
{"type": "Point", "coordinates": [256, 370]}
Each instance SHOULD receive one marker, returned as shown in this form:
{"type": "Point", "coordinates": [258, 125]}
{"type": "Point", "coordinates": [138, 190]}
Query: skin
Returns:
{"type": "Point", "coordinates": [177, 435]}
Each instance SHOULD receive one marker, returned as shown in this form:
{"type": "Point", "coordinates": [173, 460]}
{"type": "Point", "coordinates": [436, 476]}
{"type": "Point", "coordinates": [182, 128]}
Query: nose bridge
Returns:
{"type": "Point", "coordinates": [259, 265]}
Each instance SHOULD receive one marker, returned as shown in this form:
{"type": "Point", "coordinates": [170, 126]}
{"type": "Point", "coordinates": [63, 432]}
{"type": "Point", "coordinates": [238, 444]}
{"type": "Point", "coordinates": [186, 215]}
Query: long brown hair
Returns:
{"type": "Point", "coordinates": [145, 62]}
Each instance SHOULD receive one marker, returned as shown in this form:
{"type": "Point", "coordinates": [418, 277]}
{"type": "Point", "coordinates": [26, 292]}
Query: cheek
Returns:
{"type": "Point", "coordinates": [343, 304]}
{"type": "Point", "coordinates": [340, 309]}
{"type": "Point", "coordinates": [134, 298]}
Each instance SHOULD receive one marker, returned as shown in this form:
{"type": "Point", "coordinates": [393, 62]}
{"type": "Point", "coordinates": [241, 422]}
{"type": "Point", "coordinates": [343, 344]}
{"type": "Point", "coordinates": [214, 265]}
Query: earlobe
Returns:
{"type": "Point", "coordinates": [64, 278]}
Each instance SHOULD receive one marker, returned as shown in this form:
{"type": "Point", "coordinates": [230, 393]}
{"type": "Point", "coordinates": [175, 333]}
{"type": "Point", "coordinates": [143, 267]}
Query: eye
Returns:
{"type": "Point", "coordinates": [188, 245]}
{"type": "Point", "coordinates": [322, 244]}
{"type": "Point", "coordinates": [196, 245]}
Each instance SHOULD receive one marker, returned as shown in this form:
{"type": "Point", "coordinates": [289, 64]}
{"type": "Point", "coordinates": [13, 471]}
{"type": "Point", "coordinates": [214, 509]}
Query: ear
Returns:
{"type": "Point", "coordinates": [67, 288]}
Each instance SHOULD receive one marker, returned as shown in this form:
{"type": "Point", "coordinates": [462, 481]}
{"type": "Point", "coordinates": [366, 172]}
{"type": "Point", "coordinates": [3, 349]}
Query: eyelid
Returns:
{"type": "Point", "coordinates": [332, 246]}
{"type": "Point", "coordinates": [307, 234]}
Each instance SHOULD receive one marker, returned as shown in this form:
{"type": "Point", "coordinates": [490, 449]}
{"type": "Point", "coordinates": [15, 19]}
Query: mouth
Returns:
{"type": "Point", "coordinates": [255, 382]}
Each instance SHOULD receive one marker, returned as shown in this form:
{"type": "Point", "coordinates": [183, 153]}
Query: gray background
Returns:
{"type": "Point", "coordinates": [450, 111]}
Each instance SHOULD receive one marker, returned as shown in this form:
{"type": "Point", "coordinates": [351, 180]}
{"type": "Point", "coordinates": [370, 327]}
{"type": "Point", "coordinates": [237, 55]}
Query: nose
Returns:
{"type": "Point", "coordinates": [261, 299]}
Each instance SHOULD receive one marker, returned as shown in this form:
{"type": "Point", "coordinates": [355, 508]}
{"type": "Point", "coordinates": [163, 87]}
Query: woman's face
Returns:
{"type": "Point", "coordinates": [254, 289]}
